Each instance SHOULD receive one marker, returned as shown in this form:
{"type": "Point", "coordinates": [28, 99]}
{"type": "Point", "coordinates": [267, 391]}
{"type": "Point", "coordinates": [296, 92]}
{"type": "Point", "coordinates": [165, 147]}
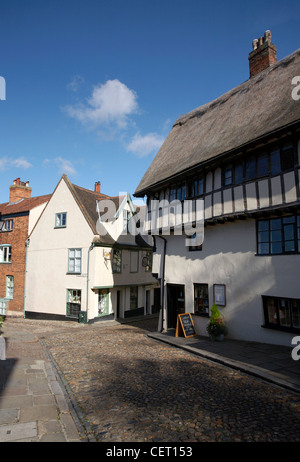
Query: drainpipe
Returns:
{"type": "Point", "coordinates": [88, 280]}
{"type": "Point", "coordinates": [162, 288]}
{"type": "Point", "coordinates": [26, 251]}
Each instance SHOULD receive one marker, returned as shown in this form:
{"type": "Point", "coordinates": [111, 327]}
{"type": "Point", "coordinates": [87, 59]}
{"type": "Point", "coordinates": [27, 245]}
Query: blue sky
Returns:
{"type": "Point", "coordinates": [93, 87]}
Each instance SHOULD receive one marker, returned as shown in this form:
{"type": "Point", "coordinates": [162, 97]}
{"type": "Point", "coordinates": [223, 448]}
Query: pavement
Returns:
{"type": "Point", "coordinates": [37, 405]}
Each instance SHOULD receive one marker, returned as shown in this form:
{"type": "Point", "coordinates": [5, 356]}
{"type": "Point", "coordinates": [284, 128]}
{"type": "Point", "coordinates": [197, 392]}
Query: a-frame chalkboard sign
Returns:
{"type": "Point", "coordinates": [185, 326]}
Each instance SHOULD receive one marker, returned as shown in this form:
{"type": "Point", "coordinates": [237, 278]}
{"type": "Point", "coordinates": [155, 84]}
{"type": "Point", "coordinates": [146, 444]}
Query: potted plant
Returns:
{"type": "Point", "coordinates": [216, 327]}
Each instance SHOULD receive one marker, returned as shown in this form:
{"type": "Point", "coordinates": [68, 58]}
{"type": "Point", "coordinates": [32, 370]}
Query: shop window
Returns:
{"type": "Point", "coordinates": [282, 313]}
{"type": "Point", "coordinates": [73, 303]}
{"type": "Point", "coordinates": [133, 297]}
{"type": "Point", "coordinates": [201, 306]}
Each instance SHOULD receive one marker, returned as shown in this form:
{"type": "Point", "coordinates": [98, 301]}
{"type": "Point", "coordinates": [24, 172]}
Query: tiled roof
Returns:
{"type": "Point", "coordinates": [23, 205]}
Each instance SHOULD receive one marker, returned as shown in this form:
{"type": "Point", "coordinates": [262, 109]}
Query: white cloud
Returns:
{"type": "Point", "coordinates": [144, 145]}
{"type": "Point", "coordinates": [8, 162]}
{"type": "Point", "coordinates": [75, 83]}
{"type": "Point", "coordinates": [65, 166]}
{"type": "Point", "coordinates": [110, 104]}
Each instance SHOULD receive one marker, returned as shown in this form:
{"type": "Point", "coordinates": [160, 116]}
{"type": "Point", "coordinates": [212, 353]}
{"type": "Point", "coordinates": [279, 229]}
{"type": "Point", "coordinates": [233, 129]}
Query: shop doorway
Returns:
{"type": "Point", "coordinates": [175, 303]}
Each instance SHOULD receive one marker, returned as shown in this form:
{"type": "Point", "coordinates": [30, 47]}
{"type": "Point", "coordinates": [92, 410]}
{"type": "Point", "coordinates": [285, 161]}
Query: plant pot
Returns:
{"type": "Point", "coordinates": [220, 338]}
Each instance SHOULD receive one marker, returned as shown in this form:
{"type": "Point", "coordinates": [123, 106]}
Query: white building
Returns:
{"type": "Point", "coordinates": [240, 154]}
{"type": "Point", "coordinates": [75, 271]}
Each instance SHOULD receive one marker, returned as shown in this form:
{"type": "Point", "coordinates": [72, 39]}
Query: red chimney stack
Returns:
{"type": "Point", "coordinates": [264, 54]}
{"type": "Point", "coordinates": [98, 187]}
{"type": "Point", "coordinates": [19, 190]}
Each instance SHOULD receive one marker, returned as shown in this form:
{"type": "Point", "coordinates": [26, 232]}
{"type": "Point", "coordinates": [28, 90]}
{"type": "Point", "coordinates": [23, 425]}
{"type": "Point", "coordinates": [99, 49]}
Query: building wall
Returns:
{"type": "Point", "coordinates": [16, 268]}
{"type": "Point", "coordinates": [229, 257]}
{"type": "Point", "coordinates": [47, 278]}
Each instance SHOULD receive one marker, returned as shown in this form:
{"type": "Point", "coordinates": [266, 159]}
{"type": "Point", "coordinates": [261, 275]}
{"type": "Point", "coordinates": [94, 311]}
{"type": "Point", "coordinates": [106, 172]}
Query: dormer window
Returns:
{"type": "Point", "coordinates": [61, 220]}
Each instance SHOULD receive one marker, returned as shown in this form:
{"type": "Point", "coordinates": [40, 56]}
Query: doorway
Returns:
{"type": "Point", "coordinates": [175, 303]}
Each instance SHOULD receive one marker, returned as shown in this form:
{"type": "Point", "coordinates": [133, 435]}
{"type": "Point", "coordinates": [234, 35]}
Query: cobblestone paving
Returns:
{"type": "Point", "coordinates": [133, 389]}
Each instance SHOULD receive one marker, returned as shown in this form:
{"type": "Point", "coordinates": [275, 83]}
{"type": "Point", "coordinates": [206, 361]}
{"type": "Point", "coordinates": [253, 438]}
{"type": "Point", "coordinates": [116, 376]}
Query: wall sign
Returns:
{"type": "Point", "coordinates": [220, 294]}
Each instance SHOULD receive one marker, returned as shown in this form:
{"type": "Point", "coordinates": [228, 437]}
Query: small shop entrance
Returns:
{"type": "Point", "coordinates": [175, 303]}
{"type": "Point", "coordinates": [103, 302]}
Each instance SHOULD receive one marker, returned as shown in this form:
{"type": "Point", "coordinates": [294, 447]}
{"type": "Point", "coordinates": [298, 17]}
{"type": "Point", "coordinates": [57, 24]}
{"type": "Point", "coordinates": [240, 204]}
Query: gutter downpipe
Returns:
{"type": "Point", "coordinates": [162, 289]}
{"type": "Point", "coordinates": [88, 280]}
{"type": "Point", "coordinates": [27, 242]}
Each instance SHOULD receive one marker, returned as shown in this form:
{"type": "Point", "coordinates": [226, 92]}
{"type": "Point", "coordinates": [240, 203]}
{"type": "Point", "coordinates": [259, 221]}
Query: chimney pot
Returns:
{"type": "Point", "coordinates": [19, 190]}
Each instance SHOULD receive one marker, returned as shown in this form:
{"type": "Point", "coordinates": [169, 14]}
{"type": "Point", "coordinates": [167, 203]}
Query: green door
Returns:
{"type": "Point", "coordinates": [103, 302]}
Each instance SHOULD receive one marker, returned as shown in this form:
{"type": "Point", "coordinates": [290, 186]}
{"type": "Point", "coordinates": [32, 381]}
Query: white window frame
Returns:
{"type": "Point", "coordinates": [61, 220]}
{"type": "Point", "coordinates": [5, 253]}
{"type": "Point", "coordinates": [10, 287]}
{"type": "Point", "coordinates": [74, 261]}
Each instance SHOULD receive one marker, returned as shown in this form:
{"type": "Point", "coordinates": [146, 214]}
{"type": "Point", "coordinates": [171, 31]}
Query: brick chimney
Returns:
{"type": "Point", "coordinates": [19, 190]}
{"type": "Point", "coordinates": [264, 54]}
{"type": "Point", "coordinates": [98, 187]}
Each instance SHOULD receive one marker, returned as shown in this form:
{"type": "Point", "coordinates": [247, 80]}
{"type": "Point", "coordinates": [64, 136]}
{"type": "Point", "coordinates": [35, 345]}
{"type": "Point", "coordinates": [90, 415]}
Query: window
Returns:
{"type": "Point", "coordinates": [201, 305]}
{"type": "Point", "coordinates": [7, 225]}
{"type": "Point", "coordinates": [117, 261]}
{"type": "Point", "coordinates": [278, 235]}
{"type": "Point", "coordinates": [147, 261]}
{"type": "Point", "coordinates": [126, 217]}
{"type": "Point", "coordinates": [74, 265]}
{"type": "Point", "coordinates": [197, 187]}
{"type": "Point", "coordinates": [228, 172]}
{"type": "Point", "coordinates": [9, 287]}
{"type": "Point", "coordinates": [133, 297]}
{"type": "Point", "coordinates": [134, 261]}
{"type": "Point", "coordinates": [73, 303]}
{"type": "Point", "coordinates": [5, 253]}
{"type": "Point", "coordinates": [60, 220]}
{"type": "Point", "coordinates": [282, 313]}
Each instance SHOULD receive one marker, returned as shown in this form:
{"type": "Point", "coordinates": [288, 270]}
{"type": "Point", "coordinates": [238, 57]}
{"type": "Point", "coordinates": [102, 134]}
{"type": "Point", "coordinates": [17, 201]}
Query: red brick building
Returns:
{"type": "Point", "coordinates": [17, 218]}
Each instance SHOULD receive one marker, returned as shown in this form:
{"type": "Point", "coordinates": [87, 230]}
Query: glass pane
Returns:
{"type": "Point", "coordinates": [263, 249]}
{"type": "Point", "coordinates": [250, 168]}
{"type": "Point", "coordinates": [263, 226]}
{"type": "Point", "coordinates": [228, 175]}
{"type": "Point", "coordinates": [276, 236]}
{"type": "Point", "coordinates": [289, 233]}
{"type": "Point", "coordinates": [276, 248]}
{"type": "Point", "coordinates": [295, 306]}
{"type": "Point", "coordinates": [275, 162]}
{"type": "Point", "coordinates": [238, 173]}
{"type": "Point", "coordinates": [289, 220]}
{"type": "Point", "coordinates": [200, 186]}
{"type": "Point", "coordinates": [271, 310]}
{"type": "Point", "coordinates": [289, 246]}
{"type": "Point", "coordinates": [263, 236]}
{"type": "Point", "coordinates": [275, 224]}
{"type": "Point", "coordinates": [287, 157]}
{"type": "Point", "coordinates": [284, 313]}
{"type": "Point", "coordinates": [262, 164]}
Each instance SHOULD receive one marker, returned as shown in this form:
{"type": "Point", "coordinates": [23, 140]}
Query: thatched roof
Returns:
{"type": "Point", "coordinates": [256, 108]}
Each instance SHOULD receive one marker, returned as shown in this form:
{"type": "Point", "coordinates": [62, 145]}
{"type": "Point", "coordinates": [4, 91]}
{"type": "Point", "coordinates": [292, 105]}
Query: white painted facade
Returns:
{"type": "Point", "coordinates": [50, 285]}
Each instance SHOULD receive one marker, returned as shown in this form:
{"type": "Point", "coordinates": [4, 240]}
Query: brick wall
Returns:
{"type": "Point", "coordinates": [17, 238]}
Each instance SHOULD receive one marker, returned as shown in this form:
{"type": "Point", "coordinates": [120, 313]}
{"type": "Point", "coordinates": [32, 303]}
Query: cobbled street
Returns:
{"type": "Point", "coordinates": [131, 388]}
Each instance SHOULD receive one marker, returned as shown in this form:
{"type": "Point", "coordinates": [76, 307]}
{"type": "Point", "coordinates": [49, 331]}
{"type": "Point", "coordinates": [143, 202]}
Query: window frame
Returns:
{"type": "Point", "coordinates": [116, 266]}
{"type": "Point", "coordinates": [205, 312]}
{"type": "Point", "coordinates": [277, 235]}
{"type": "Point", "coordinates": [278, 325]}
{"type": "Point", "coordinates": [9, 294]}
{"type": "Point", "coordinates": [70, 271]}
{"type": "Point", "coordinates": [59, 216]}
{"type": "Point", "coordinates": [5, 249]}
